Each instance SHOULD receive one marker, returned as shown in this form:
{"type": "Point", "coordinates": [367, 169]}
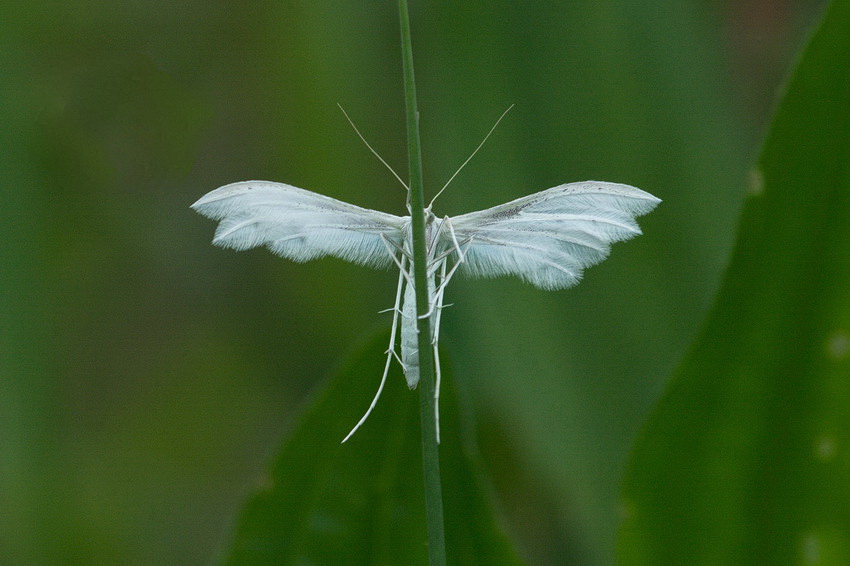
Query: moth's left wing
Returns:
{"type": "Point", "coordinates": [550, 237]}
{"type": "Point", "coordinates": [298, 224]}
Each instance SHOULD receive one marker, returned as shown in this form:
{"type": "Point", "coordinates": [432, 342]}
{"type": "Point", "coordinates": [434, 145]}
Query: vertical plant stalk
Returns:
{"type": "Point", "coordinates": [427, 408]}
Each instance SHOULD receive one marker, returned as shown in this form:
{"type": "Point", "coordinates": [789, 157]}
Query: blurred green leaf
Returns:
{"type": "Point", "coordinates": [746, 459]}
{"type": "Point", "coordinates": [124, 329]}
{"type": "Point", "coordinates": [362, 502]}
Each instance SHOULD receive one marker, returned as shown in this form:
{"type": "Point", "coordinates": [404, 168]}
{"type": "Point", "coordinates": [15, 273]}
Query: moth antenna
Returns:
{"type": "Point", "coordinates": [468, 159]}
{"type": "Point", "coordinates": [381, 159]}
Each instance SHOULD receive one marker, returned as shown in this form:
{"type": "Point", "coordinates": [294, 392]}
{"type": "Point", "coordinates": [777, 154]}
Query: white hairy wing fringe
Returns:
{"type": "Point", "coordinates": [298, 224]}
{"type": "Point", "coordinates": [550, 237]}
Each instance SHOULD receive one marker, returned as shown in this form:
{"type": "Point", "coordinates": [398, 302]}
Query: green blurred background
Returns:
{"type": "Point", "coordinates": [147, 377]}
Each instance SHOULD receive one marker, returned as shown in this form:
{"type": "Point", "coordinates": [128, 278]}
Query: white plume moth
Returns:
{"type": "Point", "coordinates": [547, 239]}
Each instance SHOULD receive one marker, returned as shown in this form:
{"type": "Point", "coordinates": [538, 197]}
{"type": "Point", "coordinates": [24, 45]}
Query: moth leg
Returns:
{"type": "Point", "coordinates": [462, 245]}
{"type": "Point", "coordinates": [446, 277]}
{"type": "Point", "coordinates": [437, 390]}
{"type": "Point", "coordinates": [435, 238]}
{"type": "Point", "coordinates": [459, 247]}
{"type": "Point", "coordinates": [387, 243]}
{"type": "Point", "coordinates": [390, 353]}
{"type": "Point", "coordinates": [461, 253]}
{"type": "Point", "coordinates": [402, 254]}
{"type": "Point", "coordinates": [436, 346]}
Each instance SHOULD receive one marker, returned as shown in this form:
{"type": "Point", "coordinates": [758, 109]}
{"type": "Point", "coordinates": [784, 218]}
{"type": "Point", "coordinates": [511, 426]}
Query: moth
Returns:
{"type": "Point", "coordinates": [547, 239]}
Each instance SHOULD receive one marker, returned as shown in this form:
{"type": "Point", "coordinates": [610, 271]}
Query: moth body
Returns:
{"type": "Point", "coordinates": [410, 333]}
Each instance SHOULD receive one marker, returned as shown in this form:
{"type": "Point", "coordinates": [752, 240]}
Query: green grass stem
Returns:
{"type": "Point", "coordinates": [430, 449]}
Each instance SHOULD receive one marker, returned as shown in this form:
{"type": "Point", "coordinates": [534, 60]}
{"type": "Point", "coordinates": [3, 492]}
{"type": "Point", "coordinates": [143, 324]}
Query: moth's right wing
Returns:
{"type": "Point", "coordinates": [550, 237]}
{"type": "Point", "coordinates": [298, 224]}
